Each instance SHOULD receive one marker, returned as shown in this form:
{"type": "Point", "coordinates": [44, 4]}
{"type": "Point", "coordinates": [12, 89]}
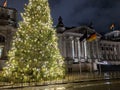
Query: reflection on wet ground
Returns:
{"type": "Point", "coordinates": [95, 85]}
{"type": "Point", "coordinates": [75, 81]}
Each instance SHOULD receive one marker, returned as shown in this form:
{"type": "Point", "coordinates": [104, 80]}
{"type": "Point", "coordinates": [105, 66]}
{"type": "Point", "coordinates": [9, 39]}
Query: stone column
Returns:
{"type": "Point", "coordinates": [85, 49]}
{"type": "Point", "coordinates": [105, 52]}
{"type": "Point", "coordinates": [82, 50]}
{"type": "Point", "coordinates": [64, 46]}
{"type": "Point", "coordinates": [60, 44]}
{"type": "Point", "coordinates": [79, 54]}
{"type": "Point", "coordinates": [110, 55]}
{"type": "Point", "coordinates": [72, 46]}
{"type": "Point", "coordinates": [67, 46]}
{"type": "Point", "coordinates": [89, 50]}
{"type": "Point", "coordinates": [98, 50]}
{"type": "Point", "coordinates": [75, 48]}
{"type": "Point", "coordinates": [116, 52]}
{"type": "Point", "coordinates": [94, 48]}
{"type": "Point", "coordinates": [78, 44]}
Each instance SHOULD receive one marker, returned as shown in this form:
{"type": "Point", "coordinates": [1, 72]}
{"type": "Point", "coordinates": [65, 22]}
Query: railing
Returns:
{"type": "Point", "coordinates": [71, 77]}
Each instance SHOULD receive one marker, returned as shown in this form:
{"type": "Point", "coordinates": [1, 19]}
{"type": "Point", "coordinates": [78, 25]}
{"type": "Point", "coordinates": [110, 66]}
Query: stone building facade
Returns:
{"type": "Point", "coordinates": [110, 47]}
{"type": "Point", "coordinates": [80, 55]}
{"type": "Point", "coordinates": [8, 26]}
{"type": "Point", "coordinates": [84, 55]}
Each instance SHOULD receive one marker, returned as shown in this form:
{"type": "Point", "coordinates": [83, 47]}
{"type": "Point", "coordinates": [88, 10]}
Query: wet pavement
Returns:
{"type": "Point", "coordinates": [94, 85]}
{"type": "Point", "coordinates": [73, 81]}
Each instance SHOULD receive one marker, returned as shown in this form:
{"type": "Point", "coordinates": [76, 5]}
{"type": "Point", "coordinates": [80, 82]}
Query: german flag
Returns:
{"type": "Point", "coordinates": [92, 37]}
{"type": "Point", "coordinates": [5, 3]}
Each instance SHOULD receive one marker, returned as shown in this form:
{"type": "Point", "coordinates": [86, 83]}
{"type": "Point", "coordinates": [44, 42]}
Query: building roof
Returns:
{"type": "Point", "coordinates": [8, 8]}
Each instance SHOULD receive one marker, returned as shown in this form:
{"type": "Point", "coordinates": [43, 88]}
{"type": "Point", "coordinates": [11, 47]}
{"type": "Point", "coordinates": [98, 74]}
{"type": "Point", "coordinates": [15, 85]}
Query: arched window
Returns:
{"type": "Point", "coordinates": [2, 39]}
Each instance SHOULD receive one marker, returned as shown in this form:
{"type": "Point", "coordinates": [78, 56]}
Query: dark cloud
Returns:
{"type": "Point", "coordinates": [75, 12]}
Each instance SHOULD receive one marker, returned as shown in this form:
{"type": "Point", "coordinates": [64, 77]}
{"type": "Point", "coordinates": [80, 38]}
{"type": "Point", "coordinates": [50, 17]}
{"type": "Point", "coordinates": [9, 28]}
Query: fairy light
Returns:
{"type": "Point", "coordinates": [34, 50]}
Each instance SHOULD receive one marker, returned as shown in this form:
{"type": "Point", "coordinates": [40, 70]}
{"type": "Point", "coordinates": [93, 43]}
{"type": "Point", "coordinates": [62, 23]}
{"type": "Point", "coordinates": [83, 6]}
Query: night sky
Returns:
{"type": "Point", "coordinates": [102, 13]}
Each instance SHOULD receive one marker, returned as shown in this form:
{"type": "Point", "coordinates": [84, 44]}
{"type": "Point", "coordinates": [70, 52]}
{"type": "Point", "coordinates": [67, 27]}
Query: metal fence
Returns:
{"type": "Point", "coordinates": [71, 77]}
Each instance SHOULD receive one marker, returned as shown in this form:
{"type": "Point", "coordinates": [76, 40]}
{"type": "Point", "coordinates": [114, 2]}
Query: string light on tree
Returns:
{"type": "Point", "coordinates": [34, 54]}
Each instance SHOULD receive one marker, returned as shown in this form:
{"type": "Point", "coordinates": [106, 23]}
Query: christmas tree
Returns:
{"type": "Point", "coordinates": [34, 54]}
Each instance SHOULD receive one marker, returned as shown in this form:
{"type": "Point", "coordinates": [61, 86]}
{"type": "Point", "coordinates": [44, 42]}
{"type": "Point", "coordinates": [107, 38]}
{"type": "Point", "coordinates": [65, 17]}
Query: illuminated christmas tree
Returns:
{"type": "Point", "coordinates": [34, 54]}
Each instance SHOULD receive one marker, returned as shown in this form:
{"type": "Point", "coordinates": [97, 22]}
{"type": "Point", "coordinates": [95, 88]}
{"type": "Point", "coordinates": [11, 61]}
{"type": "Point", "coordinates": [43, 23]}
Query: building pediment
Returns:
{"type": "Point", "coordinates": [81, 30]}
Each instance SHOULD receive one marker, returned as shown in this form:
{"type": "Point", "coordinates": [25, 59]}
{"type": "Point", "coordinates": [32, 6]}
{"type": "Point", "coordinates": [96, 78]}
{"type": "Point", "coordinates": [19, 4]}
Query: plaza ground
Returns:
{"type": "Point", "coordinates": [71, 78]}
